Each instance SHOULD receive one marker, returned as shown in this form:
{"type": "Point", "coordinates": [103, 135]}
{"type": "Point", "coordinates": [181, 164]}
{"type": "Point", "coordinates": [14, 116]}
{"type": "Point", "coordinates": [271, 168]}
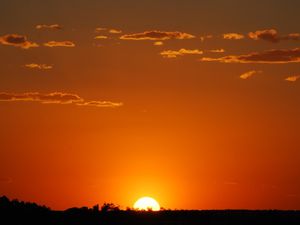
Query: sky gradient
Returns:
{"type": "Point", "coordinates": [195, 103]}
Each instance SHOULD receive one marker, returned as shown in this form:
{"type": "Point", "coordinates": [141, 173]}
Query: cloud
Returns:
{"type": "Point", "coordinates": [109, 30]}
{"type": "Point", "coordinates": [203, 38]}
{"type": "Point", "coordinates": [38, 66]}
{"type": "Point", "coordinates": [59, 44]}
{"type": "Point", "coordinates": [181, 52]}
{"type": "Point", "coordinates": [101, 37]}
{"type": "Point", "coordinates": [233, 36]}
{"type": "Point", "coordinates": [272, 35]}
{"type": "Point", "coordinates": [49, 27]}
{"type": "Point", "coordinates": [292, 78]}
{"type": "Point", "coordinates": [104, 104]}
{"type": "Point", "coordinates": [114, 31]}
{"type": "Point", "coordinates": [17, 40]}
{"type": "Point", "coordinates": [158, 43]}
{"type": "Point", "coordinates": [99, 29]}
{"type": "Point", "coordinates": [281, 56]}
{"type": "Point", "coordinates": [249, 74]}
{"type": "Point", "coordinates": [55, 98]}
{"type": "Point", "coordinates": [221, 50]}
{"type": "Point", "coordinates": [292, 36]}
{"type": "Point", "coordinates": [157, 36]}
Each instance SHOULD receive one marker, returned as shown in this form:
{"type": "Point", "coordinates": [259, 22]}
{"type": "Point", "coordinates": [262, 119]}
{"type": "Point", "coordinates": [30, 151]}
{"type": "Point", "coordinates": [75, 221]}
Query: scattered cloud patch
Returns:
{"type": "Point", "coordinates": [203, 38]}
{"type": "Point", "coordinates": [68, 44]}
{"type": "Point", "coordinates": [48, 27]}
{"type": "Point", "coordinates": [55, 98]}
{"type": "Point", "coordinates": [292, 78]}
{"type": "Point", "coordinates": [249, 74]}
{"type": "Point", "coordinates": [280, 56]}
{"type": "Point", "coordinates": [115, 31]}
{"type": "Point", "coordinates": [157, 36]}
{"type": "Point", "coordinates": [181, 52]}
{"type": "Point", "coordinates": [99, 29]}
{"type": "Point", "coordinates": [221, 50]}
{"type": "Point", "coordinates": [101, 37]}
{"type": "Point", "coordinates": [272, 35]}
{"type": "Point", "coordinates": [17, 40]}
{"type": "Point", "coordinates": [38, 66]}
{"type": "Point", "coordinates": [233, 36]}
{"type": "Point", "coordinates": [158, 43]}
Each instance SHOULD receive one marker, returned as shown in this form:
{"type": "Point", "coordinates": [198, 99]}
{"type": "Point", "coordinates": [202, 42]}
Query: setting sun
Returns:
{"type": "Point", "coordinates": [146, 203]}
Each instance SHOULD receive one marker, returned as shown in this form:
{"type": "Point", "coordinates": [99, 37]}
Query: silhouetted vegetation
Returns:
{"type": "Point", "coordinates": [17, 212]}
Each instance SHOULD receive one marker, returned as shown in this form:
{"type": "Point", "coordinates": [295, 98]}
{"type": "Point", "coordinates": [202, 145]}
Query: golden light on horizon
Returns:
{"type": "Point", "coordinates": [146, 203]}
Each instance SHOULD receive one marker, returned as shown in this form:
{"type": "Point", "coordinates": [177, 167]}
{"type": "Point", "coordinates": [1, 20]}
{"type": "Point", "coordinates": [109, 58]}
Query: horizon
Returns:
{"type": "Point", "coordinates": [194, 104]}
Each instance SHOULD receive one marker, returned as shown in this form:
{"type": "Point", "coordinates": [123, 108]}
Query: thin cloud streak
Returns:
{"type": "Point", "coordinates": [249, 74]}
{"type": "Point", "coordinates": [38, 66]}
{"type": "Point", "coordinates": [68, 44]}
{"type": "Point", "coordinates": [180, 52]}
{"type": "Point", "coordinates": [157, 36]}
{"type": "Point", "coordinates": [55, 98]}
{"type": "Point", "coordinates": [274, 56]}
{"type": "Point", "coordinates": [48, 27]}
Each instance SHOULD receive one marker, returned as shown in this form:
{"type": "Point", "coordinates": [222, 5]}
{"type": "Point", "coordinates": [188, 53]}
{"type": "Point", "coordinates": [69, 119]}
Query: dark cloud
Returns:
{"type": "Point", "coordinates": [272, 35]}
{"type": "Point", "coordinates": [17, 41]}
{"type": "Point", "coordinates": [157, 35]}
{"type": "Point", "coordinates": [55, 98]}
{"type": "Point", "coordinates": [280, 56]}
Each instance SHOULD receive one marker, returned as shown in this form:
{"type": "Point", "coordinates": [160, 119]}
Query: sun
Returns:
{"type": "Point", "coordinates": [146, 203]}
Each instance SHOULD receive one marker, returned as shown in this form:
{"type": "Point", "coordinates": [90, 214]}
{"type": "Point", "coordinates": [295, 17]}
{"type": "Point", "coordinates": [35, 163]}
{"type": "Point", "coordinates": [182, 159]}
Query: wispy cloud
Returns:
{"type": "Point", "coordinates": [48, 26]}
{"type": "Point", "coordinates": [221, 50]}
{"type": "Point", "coordinates": [104, 104]}
{"type": "Point", "coordinates": [249, 74]}
{"type": "Point", "coordinates": [109, 30]}
{"type": "Point", "coordinates": [158, 43]}
{"type": "Point", "coordinates": [99, 29]}
{"type": "Point", "coordinates": [60, 44]}
{"type": "Point", "coordinates": [17, 40]}
{"type": "Point", "coordinates": [293, 78]}
{"type": "Point", "coordinates": [115, 31]}
{"type": "Point", "coordinates": [281, 56]}
{"type": "Point", "coordinates": [157, 35]}
{"type": "Point", "coordinates": [101, 37]}
{"type": "Point", "coordinates": [180, 52]}
{"type": "Point", "coordinates": [38, 66]}
{"type": "Point", "coordinates": [272, 35]}
{"type": "Point", "coordinates": [55, 98]}
{"type": "Point", "coordinates": [233, 36]}
{"type": "Point", "coordinates": [203, 38]}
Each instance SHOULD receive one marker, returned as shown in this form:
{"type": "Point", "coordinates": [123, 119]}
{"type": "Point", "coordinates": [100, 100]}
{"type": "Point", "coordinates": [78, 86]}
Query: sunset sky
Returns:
{"type": "Point", "coordinates": [195, 103]}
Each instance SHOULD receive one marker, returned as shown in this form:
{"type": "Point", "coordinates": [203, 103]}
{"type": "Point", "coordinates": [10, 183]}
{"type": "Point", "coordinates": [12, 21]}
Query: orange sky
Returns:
{"type": "Point", "coordinates": [194, 103]}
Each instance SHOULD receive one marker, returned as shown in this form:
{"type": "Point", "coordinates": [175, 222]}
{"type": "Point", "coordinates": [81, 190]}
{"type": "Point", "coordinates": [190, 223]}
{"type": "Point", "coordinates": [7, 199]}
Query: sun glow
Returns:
{"type": "Point", "coordinates": [146, 203]}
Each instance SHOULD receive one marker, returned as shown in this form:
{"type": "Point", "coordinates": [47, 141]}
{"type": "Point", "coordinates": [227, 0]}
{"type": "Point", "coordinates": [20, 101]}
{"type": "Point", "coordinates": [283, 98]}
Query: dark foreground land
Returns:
{"type": "Point", "coordinates": [16, 212]}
